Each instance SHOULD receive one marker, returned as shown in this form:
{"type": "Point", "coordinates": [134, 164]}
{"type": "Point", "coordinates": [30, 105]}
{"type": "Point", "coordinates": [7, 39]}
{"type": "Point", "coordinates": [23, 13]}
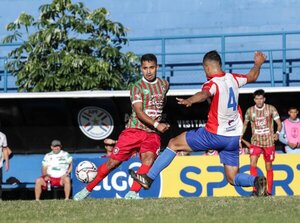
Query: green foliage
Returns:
{"type": "Point", "coordinates": [69, 48]}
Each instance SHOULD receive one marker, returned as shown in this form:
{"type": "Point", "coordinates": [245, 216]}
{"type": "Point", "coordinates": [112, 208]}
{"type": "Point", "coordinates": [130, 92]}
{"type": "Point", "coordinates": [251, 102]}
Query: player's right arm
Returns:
{"type": "Point", "coordinates": [259, 59]}
{"type": "Point", "coordinates": [196, 98]}
{"type": "Point", "coordinates": [6, 153]}
{"type": "Point", "coordinates": [143, 117]}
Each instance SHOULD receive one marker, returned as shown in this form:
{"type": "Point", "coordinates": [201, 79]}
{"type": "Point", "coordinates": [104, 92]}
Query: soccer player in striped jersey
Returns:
{"type": "Point", "coordinates": [223, 129]}
{"type": "Point", "coordinates": [142, 133]}
{"type": "Point", "coordinates": [261, 117]}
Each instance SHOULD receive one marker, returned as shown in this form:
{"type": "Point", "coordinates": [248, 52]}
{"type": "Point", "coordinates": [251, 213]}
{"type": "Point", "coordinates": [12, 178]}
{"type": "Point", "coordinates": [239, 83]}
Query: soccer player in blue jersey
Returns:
{"type": "Point", "coordinates": [223, 128]}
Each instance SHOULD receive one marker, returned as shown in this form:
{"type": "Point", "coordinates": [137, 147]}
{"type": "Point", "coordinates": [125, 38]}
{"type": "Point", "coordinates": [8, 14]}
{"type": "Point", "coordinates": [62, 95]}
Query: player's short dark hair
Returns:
{"type": "Point", "coordinates": [213, 56]}
{"type": "Point", "coordinates": [149, 57]}
{"type": "Point", "coordinates": [259, 92]}
{"type": "Point", "coordinates": [293, 108]}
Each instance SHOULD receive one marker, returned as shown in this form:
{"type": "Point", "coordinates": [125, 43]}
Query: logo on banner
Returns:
{"type": "Point", "coordinates": [96, 123]}
{"type": "Point", "coordinates": [118, 182]}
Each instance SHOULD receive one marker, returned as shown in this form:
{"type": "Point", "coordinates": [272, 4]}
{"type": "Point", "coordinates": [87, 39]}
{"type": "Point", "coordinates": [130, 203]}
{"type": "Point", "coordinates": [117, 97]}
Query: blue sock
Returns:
{"type": "Point", "coordinates": [163, 160]}
{"type": "Point", "coordinates": [244, 180]}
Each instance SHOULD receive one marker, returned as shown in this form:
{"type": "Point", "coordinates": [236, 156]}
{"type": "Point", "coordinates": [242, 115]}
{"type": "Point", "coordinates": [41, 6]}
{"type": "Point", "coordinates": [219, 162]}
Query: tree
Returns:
{"type": "Point", "coordinates": [70, 48]}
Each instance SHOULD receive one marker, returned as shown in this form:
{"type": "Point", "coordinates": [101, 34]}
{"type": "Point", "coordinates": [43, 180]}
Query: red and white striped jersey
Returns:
{"type": "Point", "coordinates": [262, 125]}
{"type": "Point", "coordinates": [223, 117]}
{"type": "Point", "coordinates": [153, 97]}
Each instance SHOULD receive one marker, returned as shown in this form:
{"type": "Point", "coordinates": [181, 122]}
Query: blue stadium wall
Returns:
{"type": "Point", "coordinates": [177, 17]}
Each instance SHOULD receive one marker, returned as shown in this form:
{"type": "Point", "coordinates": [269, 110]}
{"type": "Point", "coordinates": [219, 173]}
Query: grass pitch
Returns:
{"type": "Point", "coordinates": [185, 210]}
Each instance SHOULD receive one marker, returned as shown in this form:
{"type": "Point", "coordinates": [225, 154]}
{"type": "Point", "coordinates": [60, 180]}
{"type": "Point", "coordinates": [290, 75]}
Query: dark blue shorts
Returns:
{"type": "Point", "coordinates": [227, 146]}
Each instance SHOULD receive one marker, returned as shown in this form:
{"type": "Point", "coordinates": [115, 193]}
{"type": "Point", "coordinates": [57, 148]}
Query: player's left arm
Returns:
{"type": "Point", "coordinates": [69, 169]}
{"type": "Point", "coordinates": [276, 118]}
{"type": "Point", "coordinates": [196, 98]}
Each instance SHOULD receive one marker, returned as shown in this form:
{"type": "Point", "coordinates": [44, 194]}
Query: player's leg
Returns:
{"type": "Point", "coordinates": [229, 156]}
{"type": "Point", "coordinates": [102, 171]}
{"type": "Point", "coordinates": [255, 152]}
{"type": "Point", "coordinates": [128, 140]}
{"type": "Point", "coordinates": [147, 159]}
{"type": "Point", "coordinates": [178, 143]}
{"type": "Point", "coordinates": [149, 149]}
{"type": "Point", "coordinates": [39, 183]}
{"type": "Point", "coordinates": [245, 180]}
{"type": "Point", "coordinates": [269, 157]}
{"type": "Point", "coordinates": [270, 176]}
{"type": "Point", "coordinates": [66, 183]}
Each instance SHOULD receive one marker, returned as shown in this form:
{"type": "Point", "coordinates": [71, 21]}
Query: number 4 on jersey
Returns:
{"type": "Point", "coordinates": [231, 101]}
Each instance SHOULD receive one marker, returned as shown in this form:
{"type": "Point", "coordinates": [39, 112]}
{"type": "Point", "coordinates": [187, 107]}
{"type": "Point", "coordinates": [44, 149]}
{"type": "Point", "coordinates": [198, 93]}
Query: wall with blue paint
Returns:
{"type": "Point", "coordinates": [177, 17]}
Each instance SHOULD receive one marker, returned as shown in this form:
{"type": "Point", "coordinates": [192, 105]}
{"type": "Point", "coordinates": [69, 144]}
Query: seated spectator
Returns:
{"type": "Point", "coordinates": [244, 151]}
{"type": "Point", "coordinates": [211, 152]}
{"type": "Point", "coordinates": [109, 145]}
{"type": "Point", "coordinates": [182, 153]}
{"type": "Point", "coordinates": [290, 132]}
{"type": "Point", "coordinates": [56, 169]}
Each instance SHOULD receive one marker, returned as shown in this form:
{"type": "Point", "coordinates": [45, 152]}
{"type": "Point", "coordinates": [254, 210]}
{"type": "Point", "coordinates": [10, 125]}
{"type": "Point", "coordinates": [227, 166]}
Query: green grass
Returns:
{"type": "Point", "coordinates": [185, 210]}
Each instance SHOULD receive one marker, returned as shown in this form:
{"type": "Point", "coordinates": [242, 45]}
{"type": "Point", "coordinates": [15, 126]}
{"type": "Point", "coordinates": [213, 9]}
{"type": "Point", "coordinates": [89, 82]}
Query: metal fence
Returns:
{"type": "Point", "coordinates": [180, 57]}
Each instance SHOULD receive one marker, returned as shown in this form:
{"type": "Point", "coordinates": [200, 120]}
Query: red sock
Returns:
{"type": "Point", "coordinates": [102, 173]}
{"type": "Point", "coordinates": [270, 180]}
{"type": "Point", "coordinates": [142, 170]}
{"type": "Point", "coordinates": [253, 172]}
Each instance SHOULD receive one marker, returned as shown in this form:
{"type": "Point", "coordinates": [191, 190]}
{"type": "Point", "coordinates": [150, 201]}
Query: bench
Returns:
{"type": "Point", "coordinates": [26, 168]}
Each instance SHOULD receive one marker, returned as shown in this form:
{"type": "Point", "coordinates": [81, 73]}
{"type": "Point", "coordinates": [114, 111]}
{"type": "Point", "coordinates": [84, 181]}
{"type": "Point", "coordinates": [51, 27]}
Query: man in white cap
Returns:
{"type": "Point", "coordinates": [56, 168]}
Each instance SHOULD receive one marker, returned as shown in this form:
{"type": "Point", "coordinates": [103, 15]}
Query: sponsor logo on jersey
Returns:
{"type": "Point", "coordinates": [96, 123]}
{"type": "Point", "coordinates": [146, 91]}
{"type": "Point", "coordinates": [116, 150]}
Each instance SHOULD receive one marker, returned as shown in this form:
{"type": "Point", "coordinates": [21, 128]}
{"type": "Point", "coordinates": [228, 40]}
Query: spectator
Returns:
{"type": "Point", "coordinates": [56, 169]}
{"type": "Point", "coordinates": [261, 117]}
{"type": "Point", "coordinates": [290, 132]}
{"type": "Point", "coordinates": [4, 155]}
{"type": "Point", "coordinates": [183, 153]}
{"type": "Point", "coordinates": [211, 152]}
{"type": "Point", "coordinates": [109, 145]}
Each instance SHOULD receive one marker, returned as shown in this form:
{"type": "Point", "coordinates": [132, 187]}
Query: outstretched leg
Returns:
{"type": "Point", "coordinates": [164, 159]}
{"type": "Point", "coordinates": [245, 180]}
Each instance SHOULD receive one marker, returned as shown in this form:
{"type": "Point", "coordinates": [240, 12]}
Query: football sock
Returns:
{"type": "Point", "coordinates": [101, 174]}
{"type": "Point", "coordinates": [163, 160]}
{"type": "Point", "coordinates": [253, 172]}
{"type": "Point", "coordinates": [243, 180]}
{"type": "Point", "coordinates": [270, 180]}
{"type": "Point", "coordinates": [136, 187]}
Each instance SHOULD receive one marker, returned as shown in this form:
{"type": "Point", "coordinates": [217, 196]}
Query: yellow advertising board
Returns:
{"type": "Point", "coordinates": [201, 176]}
